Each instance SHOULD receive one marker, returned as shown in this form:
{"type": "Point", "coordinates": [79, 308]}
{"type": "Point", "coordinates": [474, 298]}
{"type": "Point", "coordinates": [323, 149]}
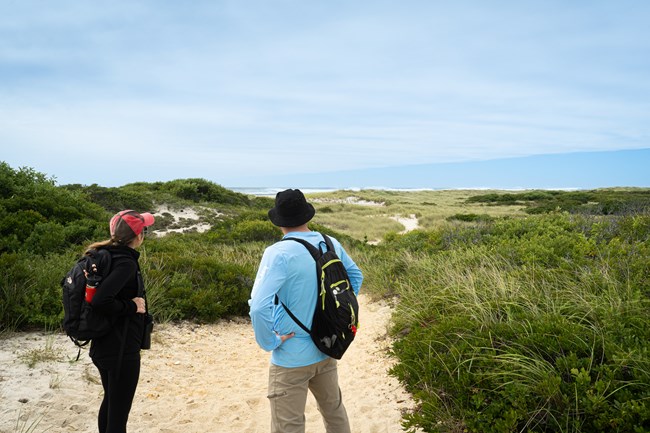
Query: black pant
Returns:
{"type": "Point", "coordinates": [118, 393]}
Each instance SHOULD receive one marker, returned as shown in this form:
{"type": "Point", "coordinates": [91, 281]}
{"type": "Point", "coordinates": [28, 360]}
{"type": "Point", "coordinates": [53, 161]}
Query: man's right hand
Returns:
{"type": "Point", "coordinates": [287, 336]}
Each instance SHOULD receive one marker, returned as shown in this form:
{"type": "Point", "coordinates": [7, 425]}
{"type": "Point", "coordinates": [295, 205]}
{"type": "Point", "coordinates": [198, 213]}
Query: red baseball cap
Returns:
{"type": "Point", "coordinates": [127, 224]}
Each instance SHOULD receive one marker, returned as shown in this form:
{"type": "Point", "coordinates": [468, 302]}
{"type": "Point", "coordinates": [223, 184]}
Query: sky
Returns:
{"type": "Point", "coordinates": [126, 91]}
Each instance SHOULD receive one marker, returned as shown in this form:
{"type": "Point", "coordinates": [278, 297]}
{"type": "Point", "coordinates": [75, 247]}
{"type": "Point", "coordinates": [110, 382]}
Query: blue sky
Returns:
{"type": "Point", "coordinates": [118, 92]}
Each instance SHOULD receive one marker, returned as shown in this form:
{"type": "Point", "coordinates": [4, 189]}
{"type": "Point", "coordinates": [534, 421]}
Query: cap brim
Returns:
{"type": "Point", "coordinates": [148, 219]}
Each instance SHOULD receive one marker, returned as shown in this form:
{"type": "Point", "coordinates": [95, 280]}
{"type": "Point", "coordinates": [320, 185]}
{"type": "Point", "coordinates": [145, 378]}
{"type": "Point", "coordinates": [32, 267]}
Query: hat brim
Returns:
{"type": "Point", "coordinates": [293, 220]}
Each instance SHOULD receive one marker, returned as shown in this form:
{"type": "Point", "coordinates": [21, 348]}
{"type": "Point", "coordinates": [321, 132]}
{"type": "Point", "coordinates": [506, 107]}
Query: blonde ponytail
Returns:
{"type": "Point", "coordinates": [113, 242]}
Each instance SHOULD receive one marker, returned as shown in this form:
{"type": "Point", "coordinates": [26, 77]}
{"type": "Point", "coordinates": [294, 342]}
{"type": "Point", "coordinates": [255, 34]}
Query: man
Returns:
{"type": "Point", "coordinates": [288, 271]}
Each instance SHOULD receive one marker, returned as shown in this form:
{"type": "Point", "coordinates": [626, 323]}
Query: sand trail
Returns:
{"type": "Point", "coordinates": [196, 378]}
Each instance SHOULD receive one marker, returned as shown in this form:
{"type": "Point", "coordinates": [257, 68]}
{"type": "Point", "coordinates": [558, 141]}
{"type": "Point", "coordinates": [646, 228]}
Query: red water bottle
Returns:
{"type": "Point", "coordinates": [92, 281]}
{"type": "Point", "coordinates": [90, 292]}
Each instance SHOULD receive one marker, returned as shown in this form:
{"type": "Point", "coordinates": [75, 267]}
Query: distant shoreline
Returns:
{"type": "Point", "coordinates": [272, 191]}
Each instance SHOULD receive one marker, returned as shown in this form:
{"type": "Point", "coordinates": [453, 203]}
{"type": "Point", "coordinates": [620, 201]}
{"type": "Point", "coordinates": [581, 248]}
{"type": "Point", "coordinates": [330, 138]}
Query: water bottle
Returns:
{"type": "Point", "coordinates": [91, 289]}
{"type": "Point", "coordinates": [92, 281]}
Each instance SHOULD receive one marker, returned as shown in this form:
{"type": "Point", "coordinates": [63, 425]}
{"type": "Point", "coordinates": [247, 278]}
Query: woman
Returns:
{"type": "Point", "coordinates": [117, 354]}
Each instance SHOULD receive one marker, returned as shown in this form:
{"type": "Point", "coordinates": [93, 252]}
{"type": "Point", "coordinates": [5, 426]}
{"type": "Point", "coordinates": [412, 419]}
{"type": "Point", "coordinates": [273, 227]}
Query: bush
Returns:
{"type": "Point", "coordinates": [30, 295]}
{"type": "Point", "coordinates": [205, 289]}
{"type": "Point", "coordinates": [250, 231]}
{"type": "Point", "coordinates": [201, 190]}
{"type": "Point", "coordinates": [38, 216]}
{"type": "Point", "coordinates": [190, 277]}
{"type": "Point", "coordinates": [537, 324]}
{"type": "Point", "coordinates": [542, 373]}
{"type": "Point", "coordinates": [115, 199]}
{"type": "Point", "coordinates": [598, 202]}
{"type": "Point", "coordinates": [470, 217]}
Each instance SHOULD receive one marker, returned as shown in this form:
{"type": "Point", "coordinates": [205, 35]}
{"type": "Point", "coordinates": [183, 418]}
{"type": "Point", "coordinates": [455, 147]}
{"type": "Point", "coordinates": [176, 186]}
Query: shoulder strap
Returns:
{"type": "Point", "coordinates": [103, 259]}
{"type": "Point", "coordinates": [295, 319]}
{"type": "Point", "coordinates": [328, 242]}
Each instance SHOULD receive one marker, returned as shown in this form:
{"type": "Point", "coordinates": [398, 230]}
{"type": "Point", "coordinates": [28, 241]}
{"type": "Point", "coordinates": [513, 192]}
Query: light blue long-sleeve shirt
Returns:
{"type": "Point", "coordinates": [289, 271]}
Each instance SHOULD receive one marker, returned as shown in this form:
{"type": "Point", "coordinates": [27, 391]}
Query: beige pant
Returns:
{"type": "Point", "coordinates": [288, 396]}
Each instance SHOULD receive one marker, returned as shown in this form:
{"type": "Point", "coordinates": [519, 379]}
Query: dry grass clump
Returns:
{"type": "Point", "coordinates": [42, 354]}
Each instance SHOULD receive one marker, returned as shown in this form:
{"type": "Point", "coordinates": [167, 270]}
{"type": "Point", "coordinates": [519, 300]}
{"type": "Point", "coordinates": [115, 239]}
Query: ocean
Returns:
{"type": "Point", "coordinates": [271, 192]}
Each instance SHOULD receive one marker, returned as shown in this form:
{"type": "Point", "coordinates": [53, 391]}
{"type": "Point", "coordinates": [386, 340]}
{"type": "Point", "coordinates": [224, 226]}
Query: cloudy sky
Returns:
{"type": "Point", "coordinates": [124, 91]}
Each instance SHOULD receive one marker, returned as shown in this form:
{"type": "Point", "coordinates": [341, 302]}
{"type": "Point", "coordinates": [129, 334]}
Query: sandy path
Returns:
{"type": "Point", "coordinates": [196, 378]}
{"type": "Point", "coordinates": [410, 223]}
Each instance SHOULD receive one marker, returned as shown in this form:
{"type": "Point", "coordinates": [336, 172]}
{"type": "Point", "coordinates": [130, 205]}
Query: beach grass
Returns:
{"type": "Point", "coordinates": [368, 214]}
{"type": "Point", "coordinates": [513, 311]}
{"type": "Point", "coordinates": [55, 381]}
{"type": "Point", "coordinates": [42, 354]}
{"type": "Point", "coordinates": [27, 422]}
{"type": "Point", "coordinates": [532, 324]}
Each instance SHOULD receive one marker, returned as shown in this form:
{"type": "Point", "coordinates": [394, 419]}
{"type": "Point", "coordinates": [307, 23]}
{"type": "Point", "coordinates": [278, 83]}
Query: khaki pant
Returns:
{"type": "Point", "coordinates": [288, 396]}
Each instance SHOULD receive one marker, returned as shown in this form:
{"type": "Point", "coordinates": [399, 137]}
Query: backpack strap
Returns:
{"type": "Point", "coordinates": [295, 319]}
{"type": "Point", "coordinates": [328, 242]}
{"type": "Point", "coordinates": [102, 260]}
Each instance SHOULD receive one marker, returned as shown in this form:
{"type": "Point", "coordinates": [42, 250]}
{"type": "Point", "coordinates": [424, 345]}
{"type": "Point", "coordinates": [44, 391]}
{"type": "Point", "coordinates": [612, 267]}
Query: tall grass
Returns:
{"type": "Point", "coordinates": [187, 276]}
{"type": "Point", "coordinates": [501, 335]}
{"type": "Point", "coordinates": [432, 208]}
{"type": "Point", "coordinates": [362, 224]}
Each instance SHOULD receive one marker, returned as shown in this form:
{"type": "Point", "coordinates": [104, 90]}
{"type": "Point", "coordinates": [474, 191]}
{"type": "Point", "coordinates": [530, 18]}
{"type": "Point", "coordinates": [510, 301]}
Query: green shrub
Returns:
{"type": "Point", "coordinates": [30, 295]}
{"type": "Point", "coordinates": [541, 373]}
{"type": "Point", "coordinates": [201, 190]}
{"type": "Point", "coordinates": [537, 324]}
{"type": "Point", "coordinates": [114, 199]}
{"type": "Point", "coordinates": [597, 202]}
{"type": "Point", "coordinates": [46, 237]}
{"type": "Point", "coordinates": [472, 217]}
{"type": "Point", "coordinates": [249, 231]}
{"type": "Point", "coordinates": [85, 231]}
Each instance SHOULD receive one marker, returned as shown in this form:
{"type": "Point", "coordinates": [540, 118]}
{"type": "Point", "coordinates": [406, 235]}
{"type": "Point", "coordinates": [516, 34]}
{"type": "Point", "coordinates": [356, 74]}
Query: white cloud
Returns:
{"type": "Point", "coordinates": [227, 87]}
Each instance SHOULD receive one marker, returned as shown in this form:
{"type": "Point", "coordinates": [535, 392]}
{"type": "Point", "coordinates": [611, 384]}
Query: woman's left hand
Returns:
{"type": "Point", "coordinates": [139, 303]}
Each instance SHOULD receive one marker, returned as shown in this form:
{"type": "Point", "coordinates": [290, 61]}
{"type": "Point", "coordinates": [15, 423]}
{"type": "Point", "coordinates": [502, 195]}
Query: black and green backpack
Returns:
{"type": "Point", "coordinates": [336, 316]}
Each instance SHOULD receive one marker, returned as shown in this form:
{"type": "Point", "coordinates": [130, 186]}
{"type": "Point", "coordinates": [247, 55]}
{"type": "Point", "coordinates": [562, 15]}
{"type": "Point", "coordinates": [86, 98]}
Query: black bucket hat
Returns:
{"type": "Point", "coordinates": [291, 209]}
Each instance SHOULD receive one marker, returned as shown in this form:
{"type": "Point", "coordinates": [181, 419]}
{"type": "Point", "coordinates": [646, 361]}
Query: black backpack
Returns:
{"type": "Point", "coordinates": [336, 316]}
{"type": "Point", "coordinates": [80, 322]}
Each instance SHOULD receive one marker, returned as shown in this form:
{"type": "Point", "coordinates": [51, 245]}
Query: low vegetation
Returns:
{"type": "Point", "coordinates": [514, 312]}
{"type": "Point", "coordinates": [534, 324]}
{"type": "Point", "coordinates": [613, 201]}
{"type": "Point", "coordinates": [42, 354]}
{"type": "Point", "coordinates": [44, 228]}
{"type": "Point", "coordinates": [366, 214]}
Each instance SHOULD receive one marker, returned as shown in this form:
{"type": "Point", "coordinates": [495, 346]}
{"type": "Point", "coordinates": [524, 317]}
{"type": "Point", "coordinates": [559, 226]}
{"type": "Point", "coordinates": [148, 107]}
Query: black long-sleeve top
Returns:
{"type": "Point", "coordinates": [114, 298]}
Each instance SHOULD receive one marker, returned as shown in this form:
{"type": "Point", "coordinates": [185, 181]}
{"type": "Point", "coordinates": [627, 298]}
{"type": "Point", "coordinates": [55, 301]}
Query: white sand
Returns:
{"type": "Point", "coordinates": [196, 378]}
{"type": "Point", "coordinates": [410, 223]}
{"type": "Point", "coordinates": [185, 214]}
